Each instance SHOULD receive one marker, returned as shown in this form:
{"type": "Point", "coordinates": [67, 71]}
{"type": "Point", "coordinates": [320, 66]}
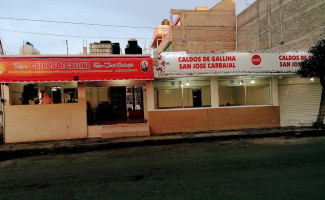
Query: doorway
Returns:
{"type": "Point", "coordinates": [118, 96]}
{"type": "Point", "coordinates": [197, 98]}
{"type": "Point", "coordinates": [56, 94]}
{"type": "Point", "coordinates": [114, 105]}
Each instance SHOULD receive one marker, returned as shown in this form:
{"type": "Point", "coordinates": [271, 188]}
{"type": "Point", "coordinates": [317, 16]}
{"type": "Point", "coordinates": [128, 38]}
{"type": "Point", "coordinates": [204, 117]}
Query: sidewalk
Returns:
{"type": "Point", "coordinates": [10, 151]}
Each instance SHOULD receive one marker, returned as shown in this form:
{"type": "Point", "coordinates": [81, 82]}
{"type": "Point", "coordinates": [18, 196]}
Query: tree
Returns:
{"type": "Point", "coordinates": [314, 66]}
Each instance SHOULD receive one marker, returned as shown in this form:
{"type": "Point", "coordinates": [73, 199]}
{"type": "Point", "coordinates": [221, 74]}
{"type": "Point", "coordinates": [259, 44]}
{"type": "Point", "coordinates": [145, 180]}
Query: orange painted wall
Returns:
{"type": "Point", "coordinates": [190, 120]}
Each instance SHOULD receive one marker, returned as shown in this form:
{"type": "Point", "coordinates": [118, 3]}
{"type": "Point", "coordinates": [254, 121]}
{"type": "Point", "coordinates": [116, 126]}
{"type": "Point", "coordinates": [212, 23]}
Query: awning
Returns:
{"type": "Point", "coordinates": [75, 69]}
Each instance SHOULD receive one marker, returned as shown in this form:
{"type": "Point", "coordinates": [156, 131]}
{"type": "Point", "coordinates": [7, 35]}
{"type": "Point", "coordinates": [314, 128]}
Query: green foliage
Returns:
{"type": "Point", "coordinates": [315, 65]}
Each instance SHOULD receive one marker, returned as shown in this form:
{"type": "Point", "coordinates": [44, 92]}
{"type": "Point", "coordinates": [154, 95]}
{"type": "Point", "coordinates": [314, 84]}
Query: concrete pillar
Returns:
{"type": "Point", "coordinates": [94, 97]}
{"type": "Point", "coordinates": [275, 91]}
{"type": "Point", "coordinates": [145, 108]}
{"type": "Point", "coordinates": [83, 110]}
{"type": "Point", "coordinates": [6, 94]}
{"type": "Point", "coordinates": [150, 91]}
{"type": "Point", "coordinates": [214, 87]}
{"type": "Point", "coordinates": [82, 92]}
{"type": "Point", "coordinates": [84, 51]}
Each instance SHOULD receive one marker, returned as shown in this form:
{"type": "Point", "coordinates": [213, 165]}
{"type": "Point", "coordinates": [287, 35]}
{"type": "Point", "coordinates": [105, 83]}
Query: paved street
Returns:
{"type": "Point", "coordinates": [239, 169]}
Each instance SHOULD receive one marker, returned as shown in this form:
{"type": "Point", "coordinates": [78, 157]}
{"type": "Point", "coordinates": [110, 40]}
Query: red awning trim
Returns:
{"type": "Point", "coordinates": [75, 69]}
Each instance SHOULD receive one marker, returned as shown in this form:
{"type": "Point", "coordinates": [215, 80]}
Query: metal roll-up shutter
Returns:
{"type": "Point", "coordinates": [299, 103]}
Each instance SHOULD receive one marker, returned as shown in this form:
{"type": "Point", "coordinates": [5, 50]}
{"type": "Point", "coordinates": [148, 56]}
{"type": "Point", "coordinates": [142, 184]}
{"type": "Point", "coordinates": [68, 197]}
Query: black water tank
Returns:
{"type": "Point", "coordinates": [105, 41]}
{"type": "Point", "coordinates": [116, 48]}
{"type": "Point", "coordinates": [133, 48]}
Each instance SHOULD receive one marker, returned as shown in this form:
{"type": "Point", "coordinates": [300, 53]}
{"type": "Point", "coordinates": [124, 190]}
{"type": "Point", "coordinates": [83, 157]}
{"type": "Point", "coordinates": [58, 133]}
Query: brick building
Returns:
{"type": "Point", "coordinates": [201, 29]}
{"type": "Point", "coordinates": [281, 25]}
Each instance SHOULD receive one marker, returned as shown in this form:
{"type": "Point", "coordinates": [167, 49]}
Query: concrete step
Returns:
{"type": "Point", "coordinates": [125, 130]}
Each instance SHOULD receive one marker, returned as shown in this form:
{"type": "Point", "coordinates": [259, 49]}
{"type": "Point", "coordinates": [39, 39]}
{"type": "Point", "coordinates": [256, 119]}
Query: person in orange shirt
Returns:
{"type": "Point", "coordinates": [46, 99]}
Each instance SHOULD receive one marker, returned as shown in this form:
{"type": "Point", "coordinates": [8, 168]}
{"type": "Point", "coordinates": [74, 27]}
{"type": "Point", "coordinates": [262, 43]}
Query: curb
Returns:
{"type": "Point", "coordinates": [88, 147]}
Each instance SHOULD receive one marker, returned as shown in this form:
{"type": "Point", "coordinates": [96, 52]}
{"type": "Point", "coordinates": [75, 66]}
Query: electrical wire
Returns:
{"type": "Point", "coordinates": [106, 37]}
{"type": "Point", "coordinates": [126, 38]}
{"type": "Point", "coordinates": [10, 52]}
{"type": "Point", "coordinates": [139, 27]}
{"type": "Point", "coordinates": [3, 42]}
{"type": "Point", "coordinates": [75, 23]}
{"type": "Point", "coordinates": [241, 32]}
{"type": "Point", "coordinates": [216, 37]}
{"type": "Point", "coordinates": [63, 35]}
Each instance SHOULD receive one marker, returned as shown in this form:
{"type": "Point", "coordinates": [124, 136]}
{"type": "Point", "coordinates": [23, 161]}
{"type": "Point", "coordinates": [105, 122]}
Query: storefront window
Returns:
{"type": "Point", "coordinates": [182, 93]}
{"type": "Point", "coordinates": [244, 91]}
{"type": "Point", "coordinates": [43, 93]}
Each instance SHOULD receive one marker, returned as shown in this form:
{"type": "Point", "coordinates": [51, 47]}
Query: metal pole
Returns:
{"type": "Point", "coordinates": [245, 93]}
{"type": "Point", "coordinates": [66, 42]}
{"type": "Point", "coordinates": [3, 113]}
{"type": "Point", "coordinates": [182, 94]}
{"type": "Point", "coordinates": [23, 48]}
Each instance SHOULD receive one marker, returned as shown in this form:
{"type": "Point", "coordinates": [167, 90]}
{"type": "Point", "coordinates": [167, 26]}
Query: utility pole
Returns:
{"type": "Point", "coordinates": [66, 43]}
{"type": "Point", "coordinates": [1, 49]}
{"type": "Point", "coordinates": [23, 47]}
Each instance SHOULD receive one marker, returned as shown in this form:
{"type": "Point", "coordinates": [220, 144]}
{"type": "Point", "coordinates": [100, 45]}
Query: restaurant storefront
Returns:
{"type": "Point", "coordinates": [220, 90]}
{"type": "Point", "coordinates": [116, 96]}
{"type": "Point", "coordinates": [89, 96]}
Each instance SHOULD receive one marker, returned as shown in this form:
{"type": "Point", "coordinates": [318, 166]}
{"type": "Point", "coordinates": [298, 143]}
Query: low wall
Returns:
{"type": "Point", "coordinates": [226, 118]}
{"type": "Point", "coordinates": [28, 123]}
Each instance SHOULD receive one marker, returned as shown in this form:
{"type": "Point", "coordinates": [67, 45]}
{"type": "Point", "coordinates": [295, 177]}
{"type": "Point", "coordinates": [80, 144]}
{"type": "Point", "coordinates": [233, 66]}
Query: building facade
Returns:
{"type": "Point", "coordinates": [286, 25]}
{"type": "Point", "coordinates": [91, 96]}
{"type": "Point", "coordinates": [248, 99]}
{"type": "Point", "coordinates": [201, 82]}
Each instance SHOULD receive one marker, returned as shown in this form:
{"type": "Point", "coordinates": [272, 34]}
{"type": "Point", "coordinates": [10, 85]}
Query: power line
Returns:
{"type": "Point", "coordinates": [76, 23]}
{"type": "Point", "coordinates": [7, 52]}
{"type": "Point", "coordinates": [241, 33]}
{"type": "Point", "coordinates": [63, 35]}
{"type": "Point", "coordinates": [139, 27]}
{"type": "Point", "coordinates": [101, 37]}
{"type": "Point", "coordinates": [246, 32]}
{"type": "Point", "coordinates": [3, 41]}
{"type": "Point", "coordinates": [124, 38]}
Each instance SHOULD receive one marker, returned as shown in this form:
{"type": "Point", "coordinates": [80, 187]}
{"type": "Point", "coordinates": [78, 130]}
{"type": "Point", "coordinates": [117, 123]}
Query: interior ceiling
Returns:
{"type": "Point", "coordinates": [222, 78]}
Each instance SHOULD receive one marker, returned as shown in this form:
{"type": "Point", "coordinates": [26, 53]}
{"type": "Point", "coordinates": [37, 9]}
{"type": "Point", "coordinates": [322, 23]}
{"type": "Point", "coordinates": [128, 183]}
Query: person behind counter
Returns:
{"type": "Point", "coordinates": [46, 99]}
{"type": "Point", "coordinates": [33, 101]}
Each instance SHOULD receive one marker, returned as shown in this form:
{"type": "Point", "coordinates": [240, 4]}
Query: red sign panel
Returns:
{"type": "Point", "coordinates": [75, 69]}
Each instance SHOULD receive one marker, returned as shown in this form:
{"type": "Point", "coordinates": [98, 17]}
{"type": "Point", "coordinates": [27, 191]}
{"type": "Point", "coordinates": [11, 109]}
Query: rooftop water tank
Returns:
{"type": "Point", "coordinates": [28, 49]}
{"type": "Point", "coordinates": [116, 48]}
{"type": "Point", "coordinates": [133, 48]}
{"type": "Point", "coordinates": [165, 22]}
{"type": "Point", "coordinates": [104, 47]}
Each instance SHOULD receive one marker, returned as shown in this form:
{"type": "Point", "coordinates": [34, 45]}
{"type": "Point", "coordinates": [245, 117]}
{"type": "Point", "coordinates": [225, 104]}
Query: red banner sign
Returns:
{"type": "Point", "coordinates": [74, 69]}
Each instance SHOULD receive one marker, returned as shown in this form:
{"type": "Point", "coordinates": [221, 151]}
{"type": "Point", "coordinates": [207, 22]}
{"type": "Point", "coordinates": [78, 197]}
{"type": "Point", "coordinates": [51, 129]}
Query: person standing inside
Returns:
{"type": "Point", "coordinates": [46, 99]}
